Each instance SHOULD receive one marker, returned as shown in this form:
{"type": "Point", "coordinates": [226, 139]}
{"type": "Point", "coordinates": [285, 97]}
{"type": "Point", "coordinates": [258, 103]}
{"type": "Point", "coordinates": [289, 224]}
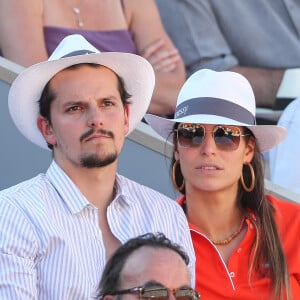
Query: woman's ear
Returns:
{"type": "Point", "coordinates": [176, 154]}
{"type": "Point", "coordinates": [249, 150]}
{"type": "Point", "coordinates": [46, 130]}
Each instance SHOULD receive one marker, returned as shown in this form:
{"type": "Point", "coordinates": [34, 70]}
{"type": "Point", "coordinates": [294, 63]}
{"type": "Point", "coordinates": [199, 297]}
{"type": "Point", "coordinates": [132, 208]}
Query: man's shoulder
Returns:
{"type": "Point", "coordinates": [19, 191]}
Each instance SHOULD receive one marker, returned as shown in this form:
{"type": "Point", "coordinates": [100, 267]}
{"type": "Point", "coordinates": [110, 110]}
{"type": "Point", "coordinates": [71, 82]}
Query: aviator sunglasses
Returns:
{"type": "Point", "coordinates": [160, 293]}
{"type": "Point", "coordinates": [227, 138]}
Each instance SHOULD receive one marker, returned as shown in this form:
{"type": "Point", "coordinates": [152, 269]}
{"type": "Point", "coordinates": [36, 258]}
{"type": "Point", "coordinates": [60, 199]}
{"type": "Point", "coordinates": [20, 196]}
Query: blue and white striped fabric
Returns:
{"type": "Point", "coordinates": [51, 245]}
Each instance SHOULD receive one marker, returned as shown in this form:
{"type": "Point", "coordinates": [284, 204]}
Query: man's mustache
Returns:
{"type": "Point", "coordinates": [93, 131]}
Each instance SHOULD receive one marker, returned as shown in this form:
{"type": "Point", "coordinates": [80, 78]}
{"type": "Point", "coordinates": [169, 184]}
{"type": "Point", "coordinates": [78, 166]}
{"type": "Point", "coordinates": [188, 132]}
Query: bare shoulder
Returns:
{"type": "Point", "coordinates": [20, 8]}
{"type": "Point", "coordinates": [17, 14]}
{"type": "Point", "coordinates": [21, 23]}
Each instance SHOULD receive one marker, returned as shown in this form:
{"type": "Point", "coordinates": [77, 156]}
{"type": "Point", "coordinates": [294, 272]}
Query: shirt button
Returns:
{"type": "Point", "coordinates": [239, 250]}
{"type": "Point", "coordinates": [231, 274]}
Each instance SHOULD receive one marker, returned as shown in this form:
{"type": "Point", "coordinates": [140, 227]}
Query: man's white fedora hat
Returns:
{"type": "Point", "coordinates": [25, 92]}
{"type": "Point", "coordinates": [225, 98]}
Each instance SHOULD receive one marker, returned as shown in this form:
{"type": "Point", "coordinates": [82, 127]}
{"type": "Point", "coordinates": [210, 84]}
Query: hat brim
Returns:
{"type": "Point", "coordinates": [26, 90]}
{"type": "Point", "coordinates": [267, 136]}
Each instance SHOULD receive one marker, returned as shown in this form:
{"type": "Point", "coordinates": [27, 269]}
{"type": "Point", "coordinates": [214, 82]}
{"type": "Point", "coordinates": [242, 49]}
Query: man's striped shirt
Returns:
{"type": "Point", "coordinates": [51, 246]}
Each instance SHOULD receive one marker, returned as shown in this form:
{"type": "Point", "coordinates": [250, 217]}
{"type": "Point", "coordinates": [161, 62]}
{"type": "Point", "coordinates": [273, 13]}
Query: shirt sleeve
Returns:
{"type": "Point", "coordinates": [18, 248]}
{"type": "Point", "coordinates": [194, 28]}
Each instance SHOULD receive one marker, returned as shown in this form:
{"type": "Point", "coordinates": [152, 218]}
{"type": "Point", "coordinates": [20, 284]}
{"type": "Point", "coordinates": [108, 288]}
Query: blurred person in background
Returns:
{"type": "Point", "coordinates": [284, 169]}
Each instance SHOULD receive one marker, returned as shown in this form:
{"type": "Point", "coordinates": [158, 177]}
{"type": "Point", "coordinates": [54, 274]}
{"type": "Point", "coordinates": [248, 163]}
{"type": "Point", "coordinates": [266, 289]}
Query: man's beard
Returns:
{"type": "Point", "coordinates": [94, 161]}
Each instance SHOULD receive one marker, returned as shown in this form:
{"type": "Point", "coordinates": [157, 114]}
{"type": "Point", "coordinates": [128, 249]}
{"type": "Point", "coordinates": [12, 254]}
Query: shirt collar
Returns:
{"type": "Point", "coordinates": [122, 192]}
{"type": "Point", "coordinates": [66, 189]}
{"type": "Point", "coordinates": [73, 197]}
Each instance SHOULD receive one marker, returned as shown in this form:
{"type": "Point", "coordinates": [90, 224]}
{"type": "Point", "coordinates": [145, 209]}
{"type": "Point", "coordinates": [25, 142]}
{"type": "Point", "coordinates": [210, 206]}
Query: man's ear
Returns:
{"type": "Point", "coordinates": [46, 130]}
{"type": "Point", "coordinates": [126, 120]}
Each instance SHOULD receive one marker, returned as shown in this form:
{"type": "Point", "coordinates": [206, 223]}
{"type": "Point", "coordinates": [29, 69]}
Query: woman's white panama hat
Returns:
{"type": "Point", "coordinates": [25, 92]}
{"type": "Point", "coordinates": [211, 97]}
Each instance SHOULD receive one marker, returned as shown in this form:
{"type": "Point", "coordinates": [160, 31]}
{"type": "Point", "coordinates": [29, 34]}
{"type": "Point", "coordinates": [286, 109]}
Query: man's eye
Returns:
{"type": "Point", "coordinates": [74, 108]}
{"type": "Point", "coordinates": [108, 103]}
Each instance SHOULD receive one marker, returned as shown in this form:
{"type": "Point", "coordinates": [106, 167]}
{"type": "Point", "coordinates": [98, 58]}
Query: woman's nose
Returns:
{"type": "Point", "coordinates": [208, 145]}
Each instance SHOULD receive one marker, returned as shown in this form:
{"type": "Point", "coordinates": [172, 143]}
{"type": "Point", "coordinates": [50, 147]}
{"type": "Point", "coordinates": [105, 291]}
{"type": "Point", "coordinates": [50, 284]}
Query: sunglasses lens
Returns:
{"type": "Point", "coordinates": [186, 294]}
{"type": "Point", "coordinates": [163, 294]}
{"type": "Point", "coordinates": [190, 136]}
{"type": "Point", "coordinates": [159, 293]}
{"type": "Point", "coordinates": [227, 138]}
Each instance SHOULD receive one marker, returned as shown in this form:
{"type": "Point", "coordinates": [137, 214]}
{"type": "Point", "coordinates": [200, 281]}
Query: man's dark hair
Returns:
{"type": "Point", "coordinates": [48, 95]}
{"type": "Point", "coordinates": [110, 280]}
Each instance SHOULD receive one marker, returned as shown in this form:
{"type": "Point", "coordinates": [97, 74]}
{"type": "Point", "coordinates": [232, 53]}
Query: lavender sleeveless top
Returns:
{"type": "Point", "coordinates": [103, 40]}
{"type": "Point", "coordinates": [106, 41]}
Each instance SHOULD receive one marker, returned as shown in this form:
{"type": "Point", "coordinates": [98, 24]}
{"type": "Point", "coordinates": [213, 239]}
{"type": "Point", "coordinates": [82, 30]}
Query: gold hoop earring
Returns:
{"type": "Point", "coordinates": [178, 188]}
{"type": "Point", "coordinates": [251, 187]}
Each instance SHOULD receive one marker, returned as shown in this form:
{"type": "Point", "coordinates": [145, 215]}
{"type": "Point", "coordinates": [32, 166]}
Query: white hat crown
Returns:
{"type": "Point", "coordinates": [224, 94]}
{"type": "Point", "coordinates": [225, 85]}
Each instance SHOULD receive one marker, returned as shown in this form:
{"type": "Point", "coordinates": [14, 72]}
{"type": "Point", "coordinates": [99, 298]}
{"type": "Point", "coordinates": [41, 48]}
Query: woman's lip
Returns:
{"type": "Point", "coordinates": [208, 168]}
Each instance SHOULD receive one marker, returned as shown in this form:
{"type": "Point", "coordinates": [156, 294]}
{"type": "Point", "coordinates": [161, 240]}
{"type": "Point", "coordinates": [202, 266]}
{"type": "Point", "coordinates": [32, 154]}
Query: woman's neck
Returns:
{"type": "Point", "coordinates": [216, 215]}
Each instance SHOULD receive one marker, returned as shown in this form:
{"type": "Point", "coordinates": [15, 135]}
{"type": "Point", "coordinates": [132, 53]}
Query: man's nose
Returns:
{"type": "Point", "coordinates": [172, 296]}
{"type": "Point", "coordinates": [95, 118]}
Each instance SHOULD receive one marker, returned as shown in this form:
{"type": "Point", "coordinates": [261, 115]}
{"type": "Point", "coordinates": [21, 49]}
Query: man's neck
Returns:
{"type": "Point", "coordinates": [96, 184]}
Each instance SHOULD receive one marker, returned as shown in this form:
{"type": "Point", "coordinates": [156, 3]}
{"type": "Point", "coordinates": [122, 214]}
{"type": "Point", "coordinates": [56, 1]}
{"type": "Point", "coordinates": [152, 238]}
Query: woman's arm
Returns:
{"type": "Point", "coordinates": [155, 45]}
{"type": "Point", "coordinates": [21, 31]}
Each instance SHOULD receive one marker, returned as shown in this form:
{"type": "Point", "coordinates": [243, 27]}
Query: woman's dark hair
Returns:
{"type": "Point", "coordinates": [267, 246]}
{"type": "Point", "coordinates": [111, 275]}
{"type": "Point", "coordinates": [48, 95]}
